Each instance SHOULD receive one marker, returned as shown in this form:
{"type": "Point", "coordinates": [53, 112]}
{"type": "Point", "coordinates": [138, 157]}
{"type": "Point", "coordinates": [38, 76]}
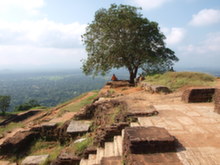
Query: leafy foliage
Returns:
{"type": "Point", "coordinates": [4, 103]}
{"type": "Point", "coordinates": [121, 37]}
{"type": "Point", "coordinates": [48, 88]}
{"type": "Point", "coordinates": [28, 105]}
{"type": "Point", "coordinates": [175, 80]}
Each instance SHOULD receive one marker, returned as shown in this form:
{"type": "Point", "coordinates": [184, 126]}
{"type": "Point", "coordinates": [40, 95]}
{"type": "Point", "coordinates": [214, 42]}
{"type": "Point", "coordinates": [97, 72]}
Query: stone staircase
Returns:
{"type": "Point", "coordinates": [111, 152]}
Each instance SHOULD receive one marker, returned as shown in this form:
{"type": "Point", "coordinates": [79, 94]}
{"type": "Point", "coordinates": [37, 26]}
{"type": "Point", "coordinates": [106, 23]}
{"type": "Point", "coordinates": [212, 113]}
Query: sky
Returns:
{"type": "Point", "coordinates": [46, 34]}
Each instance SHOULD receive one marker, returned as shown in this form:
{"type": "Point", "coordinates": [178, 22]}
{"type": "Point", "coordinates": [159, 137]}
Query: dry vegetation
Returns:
{"type": "Point", "coordinates": [176, 80]}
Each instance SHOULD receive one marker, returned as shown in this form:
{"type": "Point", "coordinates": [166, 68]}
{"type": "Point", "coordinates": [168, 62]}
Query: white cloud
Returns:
{"type": "Point", "coordinates": [173, 35]}
{"type": "Point", "coordinates": [209, 46]}
{"type": "Point", "coordinates": [40, 44]}
{"type": "Point", "coordinates": [42, 33]}
{"type": "Point", "coordinates": [205, 17]}
{"type": "Point", "coordinates": [30, 6]}
{"type": "Point", "coordinates": [34, 57]}
{"type": "Point", "coordinates": [150, 4]}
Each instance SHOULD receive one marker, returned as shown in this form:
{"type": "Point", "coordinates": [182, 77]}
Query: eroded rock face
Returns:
{"type": "Point", "coordinates": [35, 160]}
{"type": "Point", "coordinates": [19, 142]}
{"type": "Point", "coordinates": [195, 95]}
{"type": "Point", "coordinates": [217, 101]}
{"type": "Point", "coordinates": [88, 112]}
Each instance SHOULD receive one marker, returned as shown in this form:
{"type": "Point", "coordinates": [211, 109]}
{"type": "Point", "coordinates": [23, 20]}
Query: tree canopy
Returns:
{"type": "Point", "coordinates": [121, 37]}
{"type": "Point", "coordinates": [4, 103]}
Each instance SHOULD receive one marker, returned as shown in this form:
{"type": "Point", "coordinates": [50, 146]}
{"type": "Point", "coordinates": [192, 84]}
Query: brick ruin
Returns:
{"type": "Point", "coordinates": [217, 101]}
{"type": "Point", "coordinates": [196, 95]}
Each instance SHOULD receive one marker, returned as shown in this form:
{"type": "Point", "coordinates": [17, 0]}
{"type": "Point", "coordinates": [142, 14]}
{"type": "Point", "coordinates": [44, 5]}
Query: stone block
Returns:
{"type": "Point", "coordinates": [160, 89]}
{"type": "Point", "coordinates": [35, 160]}
{"type": "Point", "coordinates": [144, 140]}
{"type": "Point", "coordinates": [76, 127]}
{"type": "Point", "coordinates": [196, 95]}
{"type": "Point", "coordinates": [66, 158]}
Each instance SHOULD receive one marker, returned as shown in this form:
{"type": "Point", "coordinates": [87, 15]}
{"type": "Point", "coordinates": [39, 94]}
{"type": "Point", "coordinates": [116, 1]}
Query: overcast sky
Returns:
{"type": "Point", "coordinates": [42, 34]}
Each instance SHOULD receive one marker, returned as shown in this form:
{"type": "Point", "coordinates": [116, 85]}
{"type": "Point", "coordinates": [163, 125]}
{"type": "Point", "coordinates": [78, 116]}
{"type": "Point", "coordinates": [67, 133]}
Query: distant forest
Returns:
{"type": "Point", "coordinates": [48, 88]}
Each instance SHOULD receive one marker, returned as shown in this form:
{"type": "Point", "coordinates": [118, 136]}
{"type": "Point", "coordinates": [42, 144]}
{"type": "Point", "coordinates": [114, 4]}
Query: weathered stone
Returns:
{"type": "Point", "coordinates": [141, 110]}
{"type": "Point", "coordinates": [88, 112]}
{"type": "Point", "coordinates": [160, 89]}
{"type": "Point", "coordinates": [104, 134]}
{"type": "Point", "coordinates": [80, 140]}
{"type": "Point", "coordinates": [66, 158]}
{"type": "Point", "coordinates": [76, 127]}
{"type": "Point", "coordinates": [142, 140]}
{"type": "Point", "coordinates": [89, 150]}
{"type": "Point", "coordinates": [18, 143]}
{"type": "Point", "coordinates": [194, 95]}
{"type": "Point", "coordinates": [115, 160]}
{"type": "Point", "coordinates": [217, 101]}
{"type": "Point", "coordinates": [35, 160]}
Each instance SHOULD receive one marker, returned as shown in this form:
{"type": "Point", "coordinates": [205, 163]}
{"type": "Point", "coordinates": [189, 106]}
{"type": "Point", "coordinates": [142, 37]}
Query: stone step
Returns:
{"type": "Point", "coordinates": [109, 149]}
{"type": "Point", "coordinates": [100, 154]}
{"type": "Point", "coordinates": [92, 159]}
{"type": "Point", "coordinates": [84, 162]}
{"type": "Point", "coordinates": [134, 124]}
{"type": "Point", "coordinates": [114, 160]}
{"type": "Point", "coordinates": [117, 146]}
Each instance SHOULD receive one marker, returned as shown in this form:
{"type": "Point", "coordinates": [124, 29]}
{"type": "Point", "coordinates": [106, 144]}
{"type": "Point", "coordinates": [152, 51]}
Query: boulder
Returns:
{"type": "Point", "coordinates": [160, 89]}
{"type": "Point", "coordinates": [35, 160]}
{"type": "Point", "coordinates": [196, 95]}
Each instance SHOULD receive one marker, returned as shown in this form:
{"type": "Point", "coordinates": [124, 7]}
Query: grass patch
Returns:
{"type": "Point", "coordinates": [78, 105]}
{"type": "Point", "coordinates": [81, 146]}
{"type": "Point", "coordinates": [10, 127]}
{"type": "Point", "coordinates": [175, 80]}
{"type": "Point", "coordinates": [42, 147]}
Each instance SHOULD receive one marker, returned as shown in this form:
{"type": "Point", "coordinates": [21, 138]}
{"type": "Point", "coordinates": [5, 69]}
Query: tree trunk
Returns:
{"type": "Point", "coordinates": [133, 74]}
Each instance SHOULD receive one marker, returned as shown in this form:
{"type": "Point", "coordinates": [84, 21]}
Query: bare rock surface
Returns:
{"type": "Point", "coordinates": [35, 160]}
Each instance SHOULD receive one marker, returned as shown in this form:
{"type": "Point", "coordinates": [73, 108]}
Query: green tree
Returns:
{"type": "Point", "coordinates": [4, 103]}
{"type": "Point", "coordinates": [121, 37]}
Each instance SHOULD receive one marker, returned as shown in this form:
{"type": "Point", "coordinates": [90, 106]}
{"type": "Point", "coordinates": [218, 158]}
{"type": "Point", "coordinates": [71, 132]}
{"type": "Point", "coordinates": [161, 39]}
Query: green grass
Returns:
{"type": "Point", "coordinates": [176, 80]}
{"type": "Point", "coordinates": [78, 105]}
{"type": "Point", "coordinates": [10, 127]}
{"type": "Point", "coordinates": [81, 146]}
{"type": "Point", "coordinates": [42, 147]}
